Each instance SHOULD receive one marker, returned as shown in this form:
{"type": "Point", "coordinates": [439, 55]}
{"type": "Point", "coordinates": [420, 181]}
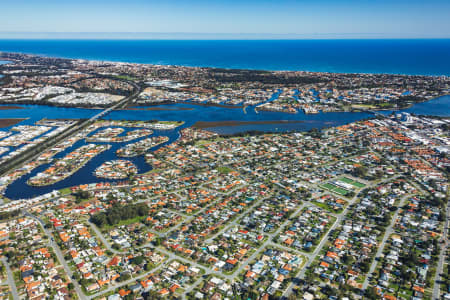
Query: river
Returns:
{"type": "Point", "coordinates": [189, 113]}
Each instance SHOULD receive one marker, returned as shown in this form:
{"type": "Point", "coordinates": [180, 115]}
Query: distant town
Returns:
{"type": "Point", "coordinates": [358, 211]}
{"type": "Point", "coordinates": [80, 83]}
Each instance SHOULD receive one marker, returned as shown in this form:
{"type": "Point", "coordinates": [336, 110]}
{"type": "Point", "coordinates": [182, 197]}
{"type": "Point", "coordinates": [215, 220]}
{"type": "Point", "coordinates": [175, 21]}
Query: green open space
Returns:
{"type": "Point", "coordinates": [355, 183]}
{"type": "Point", "coordinates": [224, 170]}
{"type": "Point", "coordinates": [334, 189]}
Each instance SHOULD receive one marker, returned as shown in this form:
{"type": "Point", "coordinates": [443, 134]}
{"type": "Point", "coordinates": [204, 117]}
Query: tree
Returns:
{"type": "Point", "coordinates": [220, 252]}
{"type": "Point", "coordinates": [292, 296]}
{"type": "Point", "coordinates": [364, 266]}
{"type": "Point", "coordinates": [81, 195]}
{"type": "Point", "coordinates": [148, 267]}
{"type": "Point", "coordinates": [360, 171]}
{"type": "Point", "coordinates": [118, 212]}
{"type": "Point", "coordinates": [124, 277]}
{"type": "Point", "coordinates": [137, 260]}
{"type": "Point", "coordinates": [371, 293]}
{"type": "Point", "coordinates": [157, 241]}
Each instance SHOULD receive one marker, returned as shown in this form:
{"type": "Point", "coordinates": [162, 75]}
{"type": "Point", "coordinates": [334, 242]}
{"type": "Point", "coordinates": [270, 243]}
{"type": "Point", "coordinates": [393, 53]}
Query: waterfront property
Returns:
{"type": "Point", "coordinates": [68, 165]}
{"type": "Point", "coordinates": [116, 169]}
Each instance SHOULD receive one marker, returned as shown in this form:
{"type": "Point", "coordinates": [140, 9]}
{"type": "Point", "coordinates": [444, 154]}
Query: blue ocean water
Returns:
{"type": "Point", "coordinates": [395, 56]}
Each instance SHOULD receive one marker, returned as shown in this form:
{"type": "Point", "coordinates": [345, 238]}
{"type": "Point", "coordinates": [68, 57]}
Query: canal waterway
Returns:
{"type": "Point", "coordinates": [189, 113]}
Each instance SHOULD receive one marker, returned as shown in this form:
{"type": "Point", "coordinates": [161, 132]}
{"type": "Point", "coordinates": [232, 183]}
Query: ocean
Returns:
{"type": "Point", "coordinates": [393, 56]}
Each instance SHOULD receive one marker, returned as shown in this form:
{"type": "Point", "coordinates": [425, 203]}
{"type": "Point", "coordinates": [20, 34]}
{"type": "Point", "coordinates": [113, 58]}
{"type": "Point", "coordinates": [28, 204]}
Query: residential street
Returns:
{"type": "Point", "coordinates": [59, 255]}
{"type": "Point", "coordinates": [387, 234]}
{"type": "Point", "coordinates": [312, 256]}
{"type": "Point", "coordinates": [440, 266]}
{"type": "Point", "coordinates": [10, 279]}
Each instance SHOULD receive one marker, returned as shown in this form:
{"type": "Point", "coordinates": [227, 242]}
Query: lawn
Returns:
{"type": "Point", "coordinates": [335, 189]}
{"type": "Point", "coordinates": [137, 219]}
{"type": "Point", "coordinates": [125, 77]}
{"type": "Point", "coordinates": [329, 207]}
{"type": "Point", "coordinates": [224, 170]}
{"type": "Point", "coordinates": [65, 191]}
{"type": "Point", "coordinates": [340, 191]}
{"type": "Point", "coordinates": [355, 183]}
{"type": "Point", "coordinates": [328, 186]}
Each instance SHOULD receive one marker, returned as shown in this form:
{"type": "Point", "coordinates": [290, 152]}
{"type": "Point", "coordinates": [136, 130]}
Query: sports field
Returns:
{"type": "Point", "coordinates": [334, 189]}
{"type": "Point", "coordinates": [355, 183]}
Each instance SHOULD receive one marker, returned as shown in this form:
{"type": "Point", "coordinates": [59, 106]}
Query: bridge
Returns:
{"type": "Point", "coordinates": [39, 148]}
{"type": "Point", "coordinates": [377, 114]}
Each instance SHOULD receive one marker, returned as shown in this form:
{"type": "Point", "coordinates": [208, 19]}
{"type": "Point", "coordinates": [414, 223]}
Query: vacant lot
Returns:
{"type": "Point", "coordinates": [9, 122]}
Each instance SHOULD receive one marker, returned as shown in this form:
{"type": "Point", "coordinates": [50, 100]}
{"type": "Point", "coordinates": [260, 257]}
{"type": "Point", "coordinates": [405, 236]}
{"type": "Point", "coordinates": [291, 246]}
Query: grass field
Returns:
{"type": "Point", "coordinates": [329, 207]}
{"type": "Point", "coordinates": [224, 170]}
{"type": "Point", "coordinates": [137, 219]}
{"type": "Point", "coordinates": [335, 189]}
{"type": "Point", "coordinates": [65, 191]}
{"type": "Point", "coordinates": [355, 183]}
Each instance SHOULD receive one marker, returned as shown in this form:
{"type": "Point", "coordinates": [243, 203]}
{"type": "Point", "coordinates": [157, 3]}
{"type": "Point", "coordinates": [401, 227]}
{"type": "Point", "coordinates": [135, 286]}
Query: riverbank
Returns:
{"type": "Point", "coordinates": [157, 108]}
{"type": "Point", "coordinates": [17, 187]}
{"type": "Point", "coordinates": [10, 122]}
{"type": "Point", "coordinates": [204, 124]}
{"type": "Point", "coordinates": [8, 107]}
{"type": "Point", "coordinates": [191, 103]}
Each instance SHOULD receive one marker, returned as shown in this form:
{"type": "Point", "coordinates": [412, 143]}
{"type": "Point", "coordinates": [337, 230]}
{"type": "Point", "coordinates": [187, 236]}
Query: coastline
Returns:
{"type": "Point", "coordinates": [291, 109]}
{"type": "Point", "coordinates": [386, 64]}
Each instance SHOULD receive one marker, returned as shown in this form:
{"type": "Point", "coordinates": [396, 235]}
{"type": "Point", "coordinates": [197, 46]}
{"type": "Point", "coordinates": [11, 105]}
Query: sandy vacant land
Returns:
{"type": "Point", "coordinates": [9, 122]}
{"type": "Point", "coordinates": [7, 107]}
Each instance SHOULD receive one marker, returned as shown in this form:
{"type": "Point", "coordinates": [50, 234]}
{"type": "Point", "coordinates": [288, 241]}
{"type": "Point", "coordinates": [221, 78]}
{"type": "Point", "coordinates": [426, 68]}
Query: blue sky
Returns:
{"type": "Point", "coordinates": [262, 18]}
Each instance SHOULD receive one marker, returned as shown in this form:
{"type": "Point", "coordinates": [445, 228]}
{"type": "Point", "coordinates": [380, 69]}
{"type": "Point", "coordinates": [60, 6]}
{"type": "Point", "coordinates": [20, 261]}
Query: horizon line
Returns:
{"type": "Point", "coordinates": [17, 35]}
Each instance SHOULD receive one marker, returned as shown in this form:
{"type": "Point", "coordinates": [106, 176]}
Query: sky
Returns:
{"type": "Point", "coordinates": [225, 18]}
